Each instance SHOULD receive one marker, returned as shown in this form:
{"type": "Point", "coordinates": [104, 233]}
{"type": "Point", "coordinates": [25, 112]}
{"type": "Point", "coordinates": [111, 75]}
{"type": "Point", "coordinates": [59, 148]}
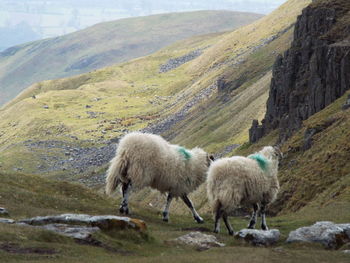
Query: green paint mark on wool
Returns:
{"type": "Point", "coordinates": [185, 153]}
{"type": "Point", "coordinates": [263, 163]}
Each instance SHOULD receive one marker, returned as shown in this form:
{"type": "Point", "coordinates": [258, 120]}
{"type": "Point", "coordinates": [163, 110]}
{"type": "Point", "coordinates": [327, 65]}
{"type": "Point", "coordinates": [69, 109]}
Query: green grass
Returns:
{"type": "Point", "coordinates": [133, 95]}
{"type": "Point", "coordinates": [26, 195]}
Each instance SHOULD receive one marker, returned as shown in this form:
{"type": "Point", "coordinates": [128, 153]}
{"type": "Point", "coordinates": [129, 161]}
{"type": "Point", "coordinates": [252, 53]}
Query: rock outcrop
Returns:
{"type": "Point", "coordinates": [197, 240]}
{"type": "Point", "coordinates": [106, 223]}
{"type": "Point", "coordinates": [259, 237]}
{"type": "Point", "coordinates": [313, 73]}
{"type": "Point", "coordinates": [326, 233]}
{"type": "Point", "coordinates": [80, 226]}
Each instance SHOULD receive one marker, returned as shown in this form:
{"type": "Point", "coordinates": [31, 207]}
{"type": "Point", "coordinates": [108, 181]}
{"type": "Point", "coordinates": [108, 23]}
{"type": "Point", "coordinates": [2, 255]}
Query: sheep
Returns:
{"type": "Point", "coordinates": [241, 181]}
{"type": "Point", "coordinates": [147, 160]}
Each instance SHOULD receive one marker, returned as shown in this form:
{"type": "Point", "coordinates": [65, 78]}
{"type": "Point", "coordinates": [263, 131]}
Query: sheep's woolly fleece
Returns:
{"type": "Point", "coordinates": [239, 180]}
{"type": "Point", "coordinates": [263, 163]}
{"type": "Point", "coordinates": [149, 160]}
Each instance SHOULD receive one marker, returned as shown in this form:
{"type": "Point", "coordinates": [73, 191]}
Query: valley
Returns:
{"type": "Point", "coordinates": [57, 137]}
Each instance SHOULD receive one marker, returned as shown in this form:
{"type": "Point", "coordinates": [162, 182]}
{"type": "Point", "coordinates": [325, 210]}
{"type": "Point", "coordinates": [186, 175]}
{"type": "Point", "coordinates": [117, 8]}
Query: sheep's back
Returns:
{"type": "Point", "coordinates": [236, 181]}
{"type": "Point", "coordinates": [152, 161]}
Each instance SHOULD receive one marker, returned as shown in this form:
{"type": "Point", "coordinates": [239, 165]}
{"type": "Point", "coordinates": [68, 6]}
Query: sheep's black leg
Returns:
{"type": "Point", "coordinates": [263, 217]}
{"type": "Point", "coordinates": [188, 202]}
{"type": "Point", "coordinates": [227, 223]}
{"type": "Point", "coordinates": [166, 208]}
{"type": "Point", "coordinates": [218, 215]}
{"type": "Point", "coordinates": [124, 207]}
{"type": "Point", "coordinates": [254, 217]}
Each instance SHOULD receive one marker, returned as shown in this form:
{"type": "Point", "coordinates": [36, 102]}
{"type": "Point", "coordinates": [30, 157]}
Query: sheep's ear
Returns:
{"type": "Point", "coordinates": [210, 158]}
{"type": "Point", "coordinates": [278, 151]}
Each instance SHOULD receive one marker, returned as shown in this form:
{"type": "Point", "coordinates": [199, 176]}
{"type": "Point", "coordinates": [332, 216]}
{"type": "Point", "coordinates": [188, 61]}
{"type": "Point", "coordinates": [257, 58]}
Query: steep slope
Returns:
{"type": "Point", "coordinates": [106, 44]}
{"type": "Point", "coordinates": [62, 131]}
{"type": "Point", "coordinates": [315, 171]}
{"type": "Point", "coordinates": [308, 112]}
{"type": "Point", "coordinates": [313, 73]}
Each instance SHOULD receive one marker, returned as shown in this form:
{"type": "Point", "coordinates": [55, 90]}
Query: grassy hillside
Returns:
{"type": "Point", "coordinates": [209, 101]}
{"type": "Point", "coordinates": [91, 109]}
{"type": "Point", "coordinates": [106, 44]}
{"type": "Point", "coordinates": [315, 180]}
{"type": "Point", "coordinates": [27, 195]}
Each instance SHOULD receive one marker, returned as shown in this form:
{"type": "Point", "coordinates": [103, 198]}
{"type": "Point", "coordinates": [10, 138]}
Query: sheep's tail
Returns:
{"type": "Point", "coordinates": [117, 170]}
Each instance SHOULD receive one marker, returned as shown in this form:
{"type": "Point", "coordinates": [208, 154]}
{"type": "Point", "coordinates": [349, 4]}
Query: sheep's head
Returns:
{"type": "Point", "coordinates": [272, 152]}
{"type": "Point", "coordinates": [278, 152]}
{"type": "Point", "coordinates": [203, 156]}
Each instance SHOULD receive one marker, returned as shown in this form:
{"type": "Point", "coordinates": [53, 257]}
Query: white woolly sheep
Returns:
{"type": "Point", "coordinates": [144, 160]}
{"type": "Point", "coordinates": [241, 181]}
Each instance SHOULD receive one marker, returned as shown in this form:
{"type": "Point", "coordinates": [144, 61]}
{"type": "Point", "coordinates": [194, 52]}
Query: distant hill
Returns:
{"type": "Point", "coordinates": [106, 44]}
{"type": "Point", "coordinates": [203, 91]}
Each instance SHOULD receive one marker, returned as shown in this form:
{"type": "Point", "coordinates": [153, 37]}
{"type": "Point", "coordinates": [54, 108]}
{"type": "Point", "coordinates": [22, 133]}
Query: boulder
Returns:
{"type": "Point", "coordinates": [73, 231]}
{"type": "Point", "coordinates": [7, 221]}
{"type": "Point", "coordinates": [106, 222]}
{"type": "Point", "coordinates": [347, 103]}
{"type": "Point", "coordinates": [259, 237]}
{"type": "Point", "coordinates": [327, 233]}
{"type": "Point", "coordinates": [197, 240]}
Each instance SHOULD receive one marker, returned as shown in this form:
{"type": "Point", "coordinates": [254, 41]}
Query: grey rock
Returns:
{"type": "Point", "coordinates": [107, 222]}
{"type": "Point", "coordinates": [198, 240]}
{"type": "Point", "coordinates": [259, 237]}
{"type": "Point", "coordinates": [7, 221]}
{"type": "Point", "coordinates": [177, 62]}
{"type": "Point", "coordinates": [73, 231]}
{"type": "Point", "coordinates": [3, 211]}
{"type": "Point", "coordinates": [165, 124]}
{"type": "Point", "coordinates": [327, 233]}
{"type": "Point", "coordinates": [72, 157]}
{"type": "Point", "coordinates": [346, 251]}
{"type": "Point", "coordinates": [347, 103]}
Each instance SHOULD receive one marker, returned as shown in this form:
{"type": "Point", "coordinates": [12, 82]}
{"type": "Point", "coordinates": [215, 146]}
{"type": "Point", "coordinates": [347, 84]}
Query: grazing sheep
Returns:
{"type": "Point", "coordinates": [241, 181]}
{"type": "Point", "coordinates": [143, 160]}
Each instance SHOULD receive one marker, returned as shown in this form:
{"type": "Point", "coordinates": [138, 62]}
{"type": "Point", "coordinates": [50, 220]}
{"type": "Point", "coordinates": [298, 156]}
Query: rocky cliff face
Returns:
{"type": "Point", "coordinates": [313, 73]}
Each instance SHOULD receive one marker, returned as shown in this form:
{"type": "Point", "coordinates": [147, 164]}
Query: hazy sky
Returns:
{"type": "Point", "coordinates": [27, 20]}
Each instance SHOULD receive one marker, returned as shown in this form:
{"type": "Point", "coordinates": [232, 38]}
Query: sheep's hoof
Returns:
{"type": "Point", "coordinates": [264, 228]}
{"type": "Point", "coordinates": [216, 231]}
{"type": "Point", "coordinates": [124, 210]}
{"type": "Point", "coordinates": [251, 227]}
{"type": "Point", "coordinates": [231, 233]}
{"type": "Point", "coordinates": [199, 220]}
{"type": "Point", "coordinates": [165, 217]}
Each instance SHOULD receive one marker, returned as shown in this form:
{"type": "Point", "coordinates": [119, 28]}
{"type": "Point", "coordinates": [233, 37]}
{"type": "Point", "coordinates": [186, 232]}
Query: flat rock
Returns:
{"type": "Point", "coordinates": [7, 221]}
{"type": "Point", "coordinates": [3, 211]}
{"type": "Point", "coordinates": [259, 237]}
{"type": "Point", "coordinates": [198, 240]}
{"type": "Point", "coordinates": [327, 233]}
{"type": "Point", "coordinates": [106, 222]}
{"type": "Point", "coordinates": [74, 231]}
